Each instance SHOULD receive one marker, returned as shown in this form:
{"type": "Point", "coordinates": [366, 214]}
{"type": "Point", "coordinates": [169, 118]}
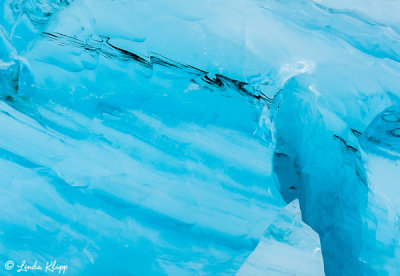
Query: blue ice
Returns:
{"type": "Point", "coordinates": [249, 137]}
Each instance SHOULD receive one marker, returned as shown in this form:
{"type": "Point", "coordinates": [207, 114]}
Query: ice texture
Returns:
{"type": "Point", "coordinates": [290, 237]}
{"type": "Point", "coordinates": [258, 137]}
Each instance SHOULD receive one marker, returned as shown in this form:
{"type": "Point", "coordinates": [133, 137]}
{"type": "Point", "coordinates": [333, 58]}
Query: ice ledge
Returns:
{"type": "Point", "coordinates": [288, 247]}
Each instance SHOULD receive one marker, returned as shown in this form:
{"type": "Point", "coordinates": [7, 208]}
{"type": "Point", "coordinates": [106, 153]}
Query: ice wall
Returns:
{"type": "Point", "coordinates": [168, 135]}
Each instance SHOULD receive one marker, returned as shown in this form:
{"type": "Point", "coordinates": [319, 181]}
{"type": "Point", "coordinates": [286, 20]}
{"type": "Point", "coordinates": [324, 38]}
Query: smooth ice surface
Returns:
{"type": "Point", "coordinates": [168, 136]}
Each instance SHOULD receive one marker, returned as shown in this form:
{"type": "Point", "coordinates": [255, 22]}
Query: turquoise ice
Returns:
{"type": "Point", "coordinates": [257, 137]}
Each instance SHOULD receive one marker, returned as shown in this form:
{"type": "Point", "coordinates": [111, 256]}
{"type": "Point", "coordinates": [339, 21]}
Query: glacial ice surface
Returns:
{"type": "Point", "coordinates": [288, 247]}
{"type": "Point", "coordinates": [258, 137]}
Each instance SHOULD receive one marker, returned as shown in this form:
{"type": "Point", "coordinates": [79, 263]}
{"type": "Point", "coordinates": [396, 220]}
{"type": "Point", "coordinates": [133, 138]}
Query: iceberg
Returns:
{"type": "Point", "coordinates": [248, 137]}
